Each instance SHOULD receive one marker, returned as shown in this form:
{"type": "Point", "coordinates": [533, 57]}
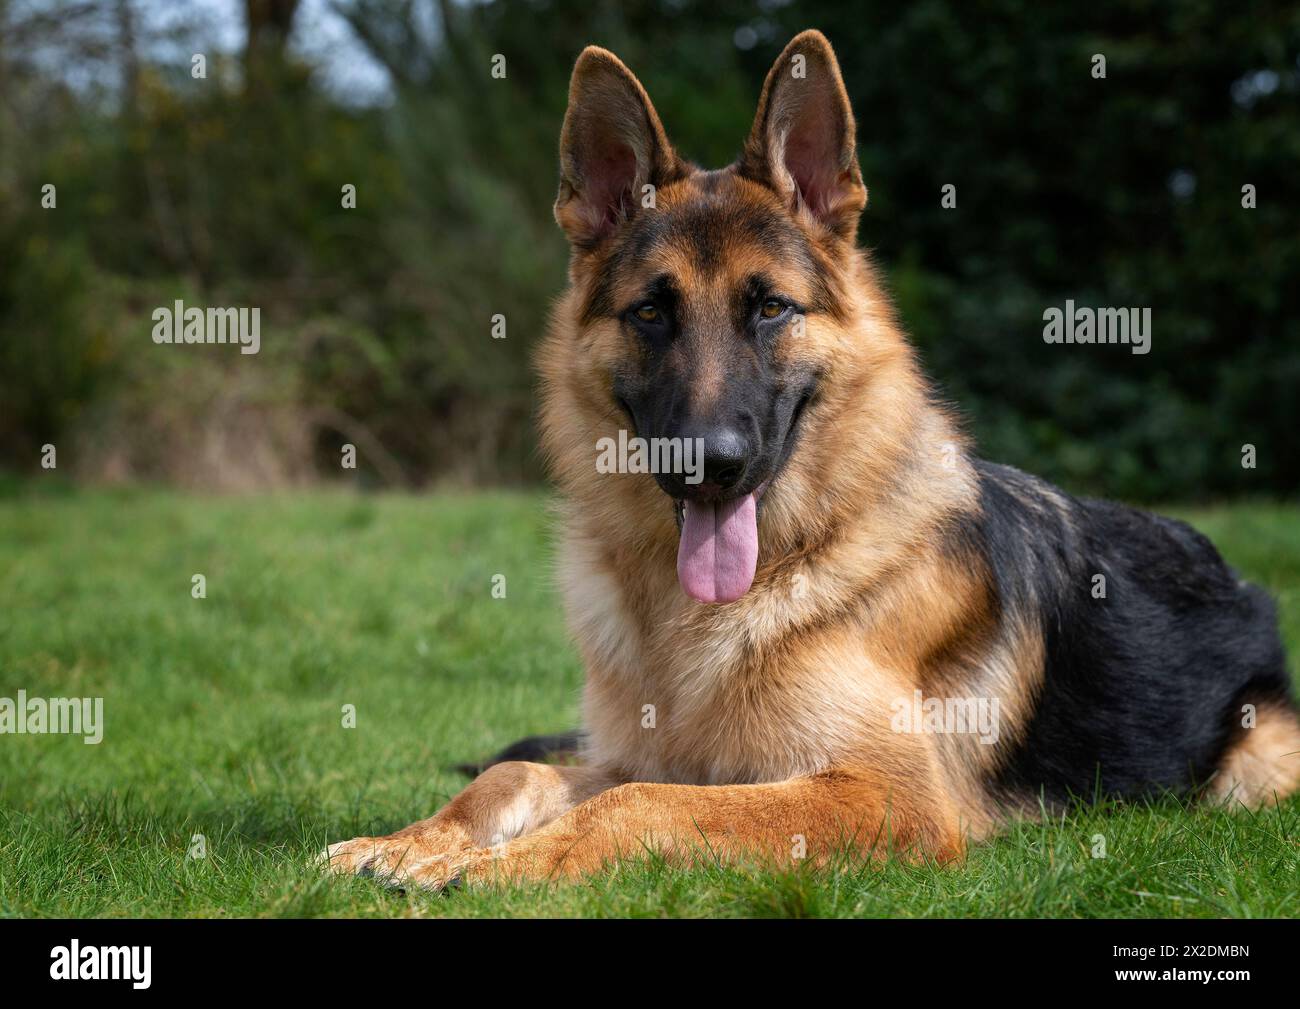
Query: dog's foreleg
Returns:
{"type": "Point", "coordinates": [775, 824]}
{"type": "Point", "coordinates": [505, 802]}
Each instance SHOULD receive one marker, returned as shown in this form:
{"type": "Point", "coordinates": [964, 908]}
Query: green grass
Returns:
{"type": "Point", "coordinates": [223, 718]}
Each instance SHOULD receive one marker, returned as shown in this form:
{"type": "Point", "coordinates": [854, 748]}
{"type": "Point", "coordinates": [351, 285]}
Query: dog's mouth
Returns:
{"type": "Point", "coordinates": [717, 549]}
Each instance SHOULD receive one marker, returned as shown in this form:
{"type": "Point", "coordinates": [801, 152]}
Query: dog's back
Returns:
{"type": "Point", "coordinates": [1162, 669]}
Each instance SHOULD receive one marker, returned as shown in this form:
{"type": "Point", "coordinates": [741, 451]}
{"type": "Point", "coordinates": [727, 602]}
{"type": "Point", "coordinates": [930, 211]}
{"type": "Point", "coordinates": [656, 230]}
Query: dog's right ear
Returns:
{"type": "Point", "coordinates": [612, 146]}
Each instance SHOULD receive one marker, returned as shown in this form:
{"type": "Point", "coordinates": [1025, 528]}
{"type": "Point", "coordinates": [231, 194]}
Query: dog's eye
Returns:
{"type": "Point", "coordinates": [647, 313]}
{"type": "Point", "coordinates": [772, 308]}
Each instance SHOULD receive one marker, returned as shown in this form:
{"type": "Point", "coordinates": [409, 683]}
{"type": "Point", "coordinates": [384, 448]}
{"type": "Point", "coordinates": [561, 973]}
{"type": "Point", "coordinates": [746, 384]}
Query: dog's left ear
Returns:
{"type": "Point", "coordinates": [802, 144]}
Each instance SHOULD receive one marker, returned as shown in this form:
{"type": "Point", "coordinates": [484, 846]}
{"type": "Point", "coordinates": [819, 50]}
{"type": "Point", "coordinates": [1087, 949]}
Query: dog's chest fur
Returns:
{"type": "Point", "coordinates": [679, 692]}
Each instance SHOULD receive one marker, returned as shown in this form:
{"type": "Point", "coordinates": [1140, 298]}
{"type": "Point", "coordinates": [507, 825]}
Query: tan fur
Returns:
{"type": "Point", "coordinates": [1263, 765]}
{"type": "Point", "coordinates": [749, 729]}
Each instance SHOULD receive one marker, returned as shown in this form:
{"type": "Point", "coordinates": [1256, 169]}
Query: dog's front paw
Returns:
{"type": "Point", "coordinates": [396, 861]}
{"type": "Point", "coordinates": [349, 857]}
{"type": "Point", "coordinates": [437, 873]}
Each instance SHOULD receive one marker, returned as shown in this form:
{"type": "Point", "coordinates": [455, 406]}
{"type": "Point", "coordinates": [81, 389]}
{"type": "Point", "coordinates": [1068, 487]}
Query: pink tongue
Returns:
{"type": "Point", "coordinates": [718, 550]}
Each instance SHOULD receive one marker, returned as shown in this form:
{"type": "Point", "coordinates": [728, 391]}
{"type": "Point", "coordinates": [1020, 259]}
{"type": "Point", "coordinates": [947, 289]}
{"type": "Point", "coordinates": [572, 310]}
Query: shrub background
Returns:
{"type": "Point", "coordinates": [376, 321]}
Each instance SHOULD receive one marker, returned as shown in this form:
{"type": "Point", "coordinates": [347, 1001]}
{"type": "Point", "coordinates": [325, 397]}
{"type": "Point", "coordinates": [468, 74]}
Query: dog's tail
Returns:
{"type": "Point", "coordinates": [557, 748]}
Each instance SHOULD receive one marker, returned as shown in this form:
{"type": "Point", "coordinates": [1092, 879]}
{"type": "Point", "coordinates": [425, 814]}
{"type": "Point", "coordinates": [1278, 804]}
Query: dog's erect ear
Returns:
{"type": "Point", "coordinates": [802, 144]}
{"type": "Point", "coordinates": [612, 146]}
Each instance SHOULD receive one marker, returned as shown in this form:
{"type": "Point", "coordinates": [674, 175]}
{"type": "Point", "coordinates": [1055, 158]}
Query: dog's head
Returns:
{"type": "Point", "coordinates": [708, 308]}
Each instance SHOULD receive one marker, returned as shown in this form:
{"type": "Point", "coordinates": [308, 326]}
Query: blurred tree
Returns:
{"type": "Point", "coordinates": [269, 24]}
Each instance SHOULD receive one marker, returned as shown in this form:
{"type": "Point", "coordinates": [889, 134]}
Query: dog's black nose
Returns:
{"type": "Point", "coordinates": [726, 456]}
{"type": "Point", "coordinates": [715, 461]}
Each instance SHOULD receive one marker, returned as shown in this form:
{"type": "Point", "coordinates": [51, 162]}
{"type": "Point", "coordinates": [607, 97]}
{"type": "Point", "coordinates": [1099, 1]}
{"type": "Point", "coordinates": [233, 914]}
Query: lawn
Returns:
{"type": "Point", "coordinates": [223, 718]}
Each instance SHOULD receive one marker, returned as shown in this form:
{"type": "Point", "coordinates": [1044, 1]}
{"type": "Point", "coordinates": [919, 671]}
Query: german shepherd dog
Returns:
{"type": "Point", "coordinates": [782, 656]}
